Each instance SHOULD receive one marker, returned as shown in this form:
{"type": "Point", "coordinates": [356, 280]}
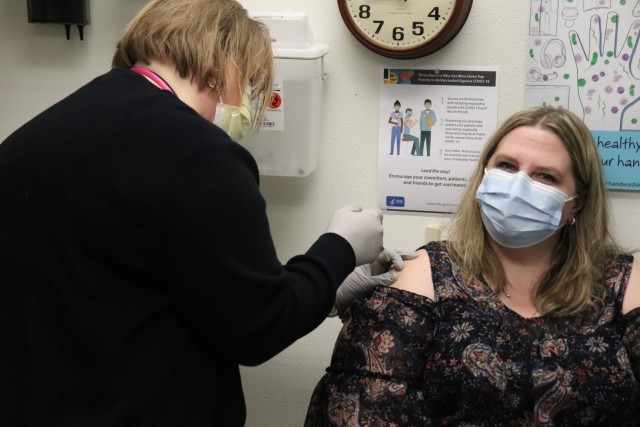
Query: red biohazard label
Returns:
{"type": "Point", "coordinates": [276, 100]}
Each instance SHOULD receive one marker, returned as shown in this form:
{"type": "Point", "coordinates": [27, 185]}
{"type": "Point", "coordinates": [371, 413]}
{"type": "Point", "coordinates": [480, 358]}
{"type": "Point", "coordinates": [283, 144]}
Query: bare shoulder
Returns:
{"type": "Point", "coordinates": [632, 295]}
{"type": "Point", "coordinates": [416, 276]}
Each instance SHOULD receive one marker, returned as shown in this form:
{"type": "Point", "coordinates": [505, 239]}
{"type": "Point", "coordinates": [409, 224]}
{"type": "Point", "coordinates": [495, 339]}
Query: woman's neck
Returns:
{"type": "Point", "coordinates": [523, 267]}
{"type": "Point", "coordinates": [203, 101]}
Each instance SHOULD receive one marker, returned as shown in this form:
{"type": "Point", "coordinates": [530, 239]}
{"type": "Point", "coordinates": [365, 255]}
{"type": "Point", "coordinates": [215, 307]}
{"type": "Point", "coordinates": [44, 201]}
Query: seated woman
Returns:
{"type": "Point", "coordinates": [527, 316]}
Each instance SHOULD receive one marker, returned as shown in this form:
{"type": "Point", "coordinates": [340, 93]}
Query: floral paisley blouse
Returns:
{"type": "Point", "coordinates": [466, 359]}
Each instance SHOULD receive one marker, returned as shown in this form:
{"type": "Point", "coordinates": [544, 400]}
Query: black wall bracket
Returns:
{"type": "Point", "coordinates": [65, 12]}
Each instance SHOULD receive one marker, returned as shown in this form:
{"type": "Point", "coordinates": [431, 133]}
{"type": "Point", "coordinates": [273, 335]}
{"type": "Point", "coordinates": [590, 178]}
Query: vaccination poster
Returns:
{"type": "Point", "coordinates": [433, 124]}
{"type": "Point", "coordinates": [583, 55]}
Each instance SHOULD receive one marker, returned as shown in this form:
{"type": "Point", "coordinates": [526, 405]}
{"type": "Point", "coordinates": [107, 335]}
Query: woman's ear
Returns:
{"type": "Point", "coordinates": [213, 79]}
{"type": "Point", "coordinates": [578, 203]}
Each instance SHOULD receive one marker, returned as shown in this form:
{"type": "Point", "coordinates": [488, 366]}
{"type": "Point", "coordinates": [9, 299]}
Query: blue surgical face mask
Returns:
{"type": "Point", "coordinates": [517, 211]}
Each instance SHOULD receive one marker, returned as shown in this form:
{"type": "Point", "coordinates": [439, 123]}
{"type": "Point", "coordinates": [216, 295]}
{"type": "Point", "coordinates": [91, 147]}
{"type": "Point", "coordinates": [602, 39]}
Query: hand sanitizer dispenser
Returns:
{"type": "Point", "coordinates": [287, 144]}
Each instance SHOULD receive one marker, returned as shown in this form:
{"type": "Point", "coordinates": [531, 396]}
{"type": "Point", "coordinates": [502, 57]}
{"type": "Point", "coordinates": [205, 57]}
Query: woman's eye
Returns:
{"type": "Point", "coordinates": [547, 177]}
{"type": "Point", "coordinates": [506, 166]}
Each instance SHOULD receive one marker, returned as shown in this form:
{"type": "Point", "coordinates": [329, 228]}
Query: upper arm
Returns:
{"type": "Point", "coordinates": [632, 294]}
{"type": "Point", "coordinates": [416, 276]}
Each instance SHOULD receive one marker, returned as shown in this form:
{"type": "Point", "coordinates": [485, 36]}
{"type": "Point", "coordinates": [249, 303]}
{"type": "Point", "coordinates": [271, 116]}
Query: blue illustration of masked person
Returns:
{"type": "Point", "coordinates": [396, 121]}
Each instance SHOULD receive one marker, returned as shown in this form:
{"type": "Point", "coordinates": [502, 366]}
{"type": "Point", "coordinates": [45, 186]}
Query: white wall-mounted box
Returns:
{"type": "Point", "coordinates": [287, 144]}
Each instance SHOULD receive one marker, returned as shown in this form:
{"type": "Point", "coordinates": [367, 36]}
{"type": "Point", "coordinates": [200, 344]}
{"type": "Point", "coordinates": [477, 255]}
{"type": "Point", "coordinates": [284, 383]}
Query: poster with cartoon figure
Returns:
{"type": "Point", "coordinates": [433, 124]}
{"type": "Point", "coordinates": [583, 55]}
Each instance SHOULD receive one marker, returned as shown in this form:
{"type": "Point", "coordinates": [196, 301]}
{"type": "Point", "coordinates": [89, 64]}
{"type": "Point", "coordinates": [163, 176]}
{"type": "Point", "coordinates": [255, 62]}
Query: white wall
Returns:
{"type": "Point", "coordinates": [38, 66]}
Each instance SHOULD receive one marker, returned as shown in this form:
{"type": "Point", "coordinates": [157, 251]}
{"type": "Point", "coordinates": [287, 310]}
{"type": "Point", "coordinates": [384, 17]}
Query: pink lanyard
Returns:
{"type": "Point", "coordinates": [154, 77]}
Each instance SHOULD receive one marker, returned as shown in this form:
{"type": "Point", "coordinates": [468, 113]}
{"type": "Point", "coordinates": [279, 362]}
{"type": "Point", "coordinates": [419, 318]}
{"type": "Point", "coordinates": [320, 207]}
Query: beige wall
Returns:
{"type": "Point", "coordinates": [38, 66]}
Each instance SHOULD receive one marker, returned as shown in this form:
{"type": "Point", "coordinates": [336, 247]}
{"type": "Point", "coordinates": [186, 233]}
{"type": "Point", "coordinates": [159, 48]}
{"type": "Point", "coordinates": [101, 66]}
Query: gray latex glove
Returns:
{"type": "Point", "coordinates": [364, 278]}
{"type": "Point", "coordinates": [361, 228]}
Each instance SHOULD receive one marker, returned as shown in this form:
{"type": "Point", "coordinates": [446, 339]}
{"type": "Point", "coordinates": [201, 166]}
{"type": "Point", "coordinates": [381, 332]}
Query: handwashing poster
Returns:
{"type": "Point", "coordinates": [583, 55]}
{"type": "Point", "coordinates": [433, 124]}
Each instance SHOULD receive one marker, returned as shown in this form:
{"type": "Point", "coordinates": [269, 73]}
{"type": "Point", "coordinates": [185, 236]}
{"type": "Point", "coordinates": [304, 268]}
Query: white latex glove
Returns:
{"type": "Point", "coordinates": [361, 228]}
{"type": "Point", "coordinates": [364, 278]}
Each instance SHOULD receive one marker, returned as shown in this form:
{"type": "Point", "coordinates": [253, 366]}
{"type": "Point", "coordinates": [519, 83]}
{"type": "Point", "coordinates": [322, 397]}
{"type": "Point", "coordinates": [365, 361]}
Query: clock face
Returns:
{"type": "Point", "coordinates": [404, 29]}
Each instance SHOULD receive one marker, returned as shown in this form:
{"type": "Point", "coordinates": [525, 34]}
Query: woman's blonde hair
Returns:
{"type": "Point", "coordinates": [204, 40]}
{"type": "Point", "coordinates": [575, 280]}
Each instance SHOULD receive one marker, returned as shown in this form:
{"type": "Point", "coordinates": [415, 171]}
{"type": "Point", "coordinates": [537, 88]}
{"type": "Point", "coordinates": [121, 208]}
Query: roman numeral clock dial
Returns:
{"type": "Point", "coordinates": [404, 29]}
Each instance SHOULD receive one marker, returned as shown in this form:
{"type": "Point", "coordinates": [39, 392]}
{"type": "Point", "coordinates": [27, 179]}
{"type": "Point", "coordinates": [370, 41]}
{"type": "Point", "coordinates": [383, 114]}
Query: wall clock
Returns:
{"type": "Point", "coordinates": [404, 29]}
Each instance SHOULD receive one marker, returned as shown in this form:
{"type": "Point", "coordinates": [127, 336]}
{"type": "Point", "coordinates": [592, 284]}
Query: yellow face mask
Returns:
{"type": "Point", "coordinates": [236, 121]}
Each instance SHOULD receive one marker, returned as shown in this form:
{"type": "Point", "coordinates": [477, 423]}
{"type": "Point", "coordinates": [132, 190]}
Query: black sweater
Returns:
{"type": "Point", "coordinates": [137, 269]}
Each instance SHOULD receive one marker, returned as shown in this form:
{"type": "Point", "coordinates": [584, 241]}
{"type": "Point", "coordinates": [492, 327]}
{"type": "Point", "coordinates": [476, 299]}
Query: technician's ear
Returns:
{"type": "Point", "coordinates": [578, 203]}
